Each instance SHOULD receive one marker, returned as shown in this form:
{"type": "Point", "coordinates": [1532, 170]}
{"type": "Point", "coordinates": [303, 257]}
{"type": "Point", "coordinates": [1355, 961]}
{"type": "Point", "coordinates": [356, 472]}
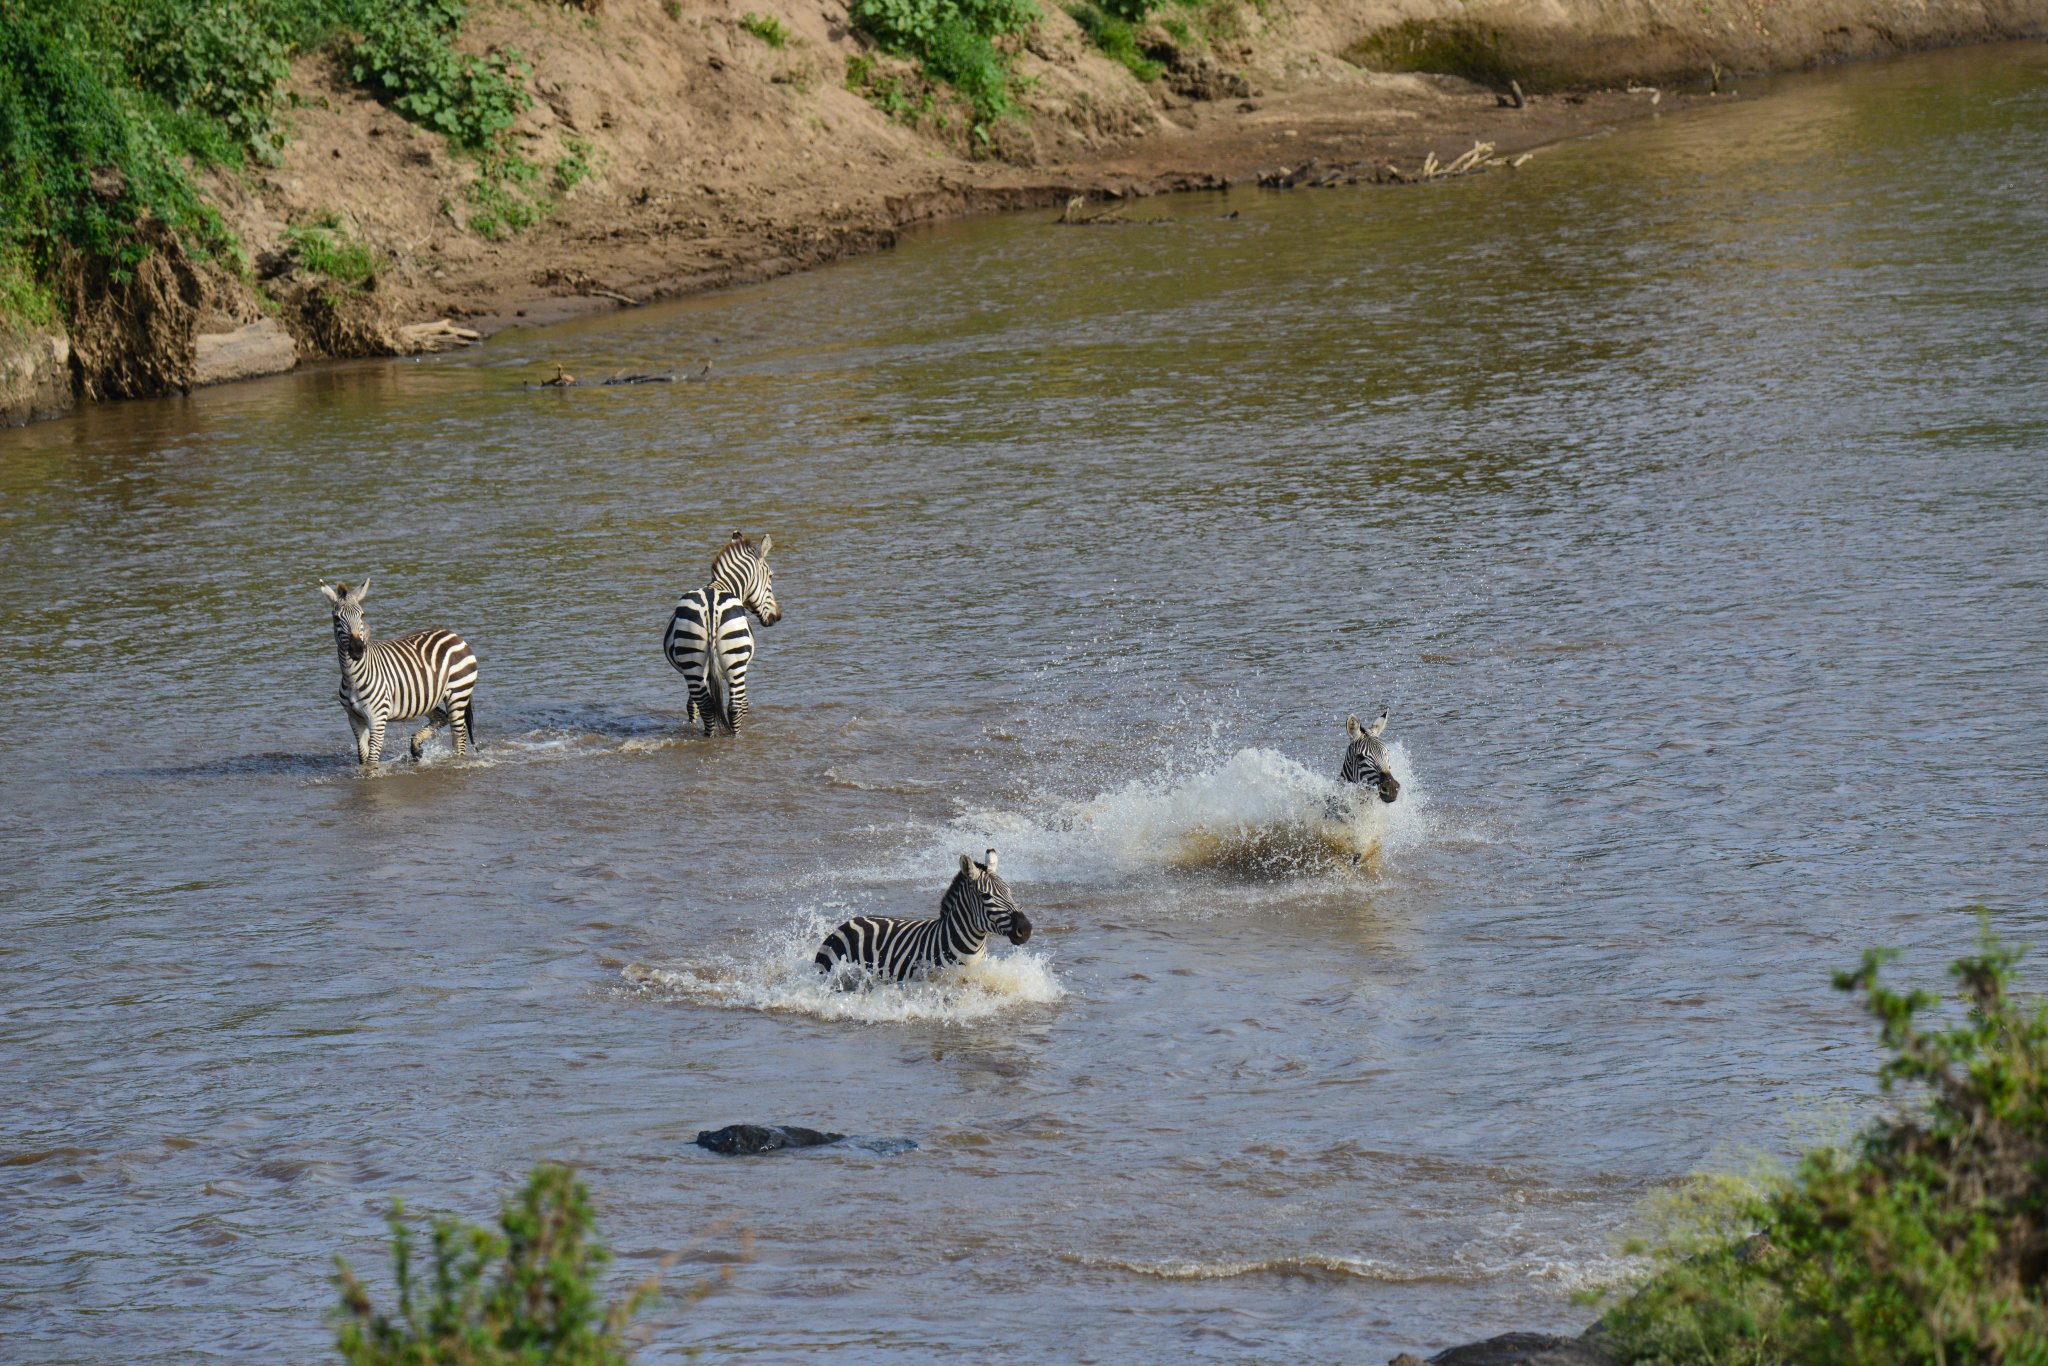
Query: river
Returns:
{"type": "Point", "coordinates": [1681, 494]}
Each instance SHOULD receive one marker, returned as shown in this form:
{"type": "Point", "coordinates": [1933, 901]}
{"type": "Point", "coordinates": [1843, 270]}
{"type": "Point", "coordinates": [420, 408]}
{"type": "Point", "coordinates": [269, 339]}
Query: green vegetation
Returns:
{"type": "Point", "coordinates": [88, 154]}
{"type": "Point", "coordinates": [326, 247]}
{"type": "Point", "coordinates": [1108, 26]}
{"type": "Point", "coordinates": [952, 41]}
{"type": "Point", "coordinates": [524, 1296]}
{"type": "Point", "coordinates": [904, 100]}
{"type": "Point", "coordinates": [405, 56]}
{"type": "Point", "coordinates": [1923, 1244]}
{"type": "Point", "coordinates": [1118, 29]}
{"type": "Point", "coordinates": [767, 28]}
{"type": "Point", "coordinates": [109, 107]}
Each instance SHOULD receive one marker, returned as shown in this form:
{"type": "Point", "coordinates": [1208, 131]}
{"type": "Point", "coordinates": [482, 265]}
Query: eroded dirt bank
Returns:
{"type": "Point", "coordinates": [705, 154]}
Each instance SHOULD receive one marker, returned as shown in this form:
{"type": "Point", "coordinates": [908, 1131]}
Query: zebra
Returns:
{"type": "Point", "coordinates": [976, 905]}
{"type": "Point", "coordinates": [740, 580]}
{"type": "Point", "coordinates": [421, 673]}
{"type": "Point", "coordinates": [1365, 759]}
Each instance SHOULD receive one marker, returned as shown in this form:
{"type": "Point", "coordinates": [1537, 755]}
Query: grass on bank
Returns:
{"type": "Point", "coordinates": [108, 107]}
{"type": "Point", "coordinates": [1923, 1243]}
{"type": "Point", "coordinates": [1117, 28]}
{"type": "Point", "coordinates": [952, 41]}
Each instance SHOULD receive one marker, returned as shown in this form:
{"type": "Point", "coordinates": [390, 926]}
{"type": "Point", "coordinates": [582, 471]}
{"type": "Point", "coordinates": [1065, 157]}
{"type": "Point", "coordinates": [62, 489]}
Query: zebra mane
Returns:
{"type": "Point", "coordinates": [738, 563]}
{"type": "Point", "coordinates": [740, 546]}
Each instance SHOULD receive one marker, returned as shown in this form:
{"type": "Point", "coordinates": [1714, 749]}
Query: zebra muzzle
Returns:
{"type": "Point", "coordinates": [1389, 789]}
{"type": "Point", "coordinates": [1020, 928]}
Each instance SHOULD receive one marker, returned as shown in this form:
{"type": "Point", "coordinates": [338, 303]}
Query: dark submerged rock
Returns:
{"type": "Point", "coordinates": [762, 1138]}
{"type": "Point", "coordinates": [1516, 1349]}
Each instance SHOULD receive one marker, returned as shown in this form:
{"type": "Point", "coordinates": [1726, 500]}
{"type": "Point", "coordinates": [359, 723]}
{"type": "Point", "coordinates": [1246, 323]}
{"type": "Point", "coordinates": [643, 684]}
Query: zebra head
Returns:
{"type": "Point", "coordinates": [742, 567]}
{"type": "Point", "coordinates": [351, 632]}
{"type": "Point", "coordinates": [1365, 758]}
{"type": "Point", "coordinates": [999, 908]}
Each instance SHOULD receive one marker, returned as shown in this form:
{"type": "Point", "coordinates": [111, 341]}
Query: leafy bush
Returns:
{"type": "Point", "coordinates": [1109, 28]}
{"type": "Point", "coordinates": [767, 28]}
{"type": "Point", "coordinates": [405, 56]}
{"type": "Point", "coordinates": [81, 157]}
{"type": "Point", "coordinates": [1927, 1243]}
{"type": "Point", "coordinates": [520, 1297]}
{"type": "Point", "coordinates": [223, 60]}
{"type": "Point", "coordinates": [953, 41]}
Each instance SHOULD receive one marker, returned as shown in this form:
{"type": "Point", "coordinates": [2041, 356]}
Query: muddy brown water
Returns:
{"type": "Point", "coordinates": [1682, 495]}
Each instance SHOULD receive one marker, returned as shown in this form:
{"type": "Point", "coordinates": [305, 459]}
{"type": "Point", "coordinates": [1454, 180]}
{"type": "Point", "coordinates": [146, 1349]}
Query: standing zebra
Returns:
{"type": "Point", "coordinates": [977, 905]}
{"type": "Point", "coordinates": [1365, 759]}
{"type": "Point", "coordinates": [714, 660]}
{"type": "Point", "coordinates": [421, 673]}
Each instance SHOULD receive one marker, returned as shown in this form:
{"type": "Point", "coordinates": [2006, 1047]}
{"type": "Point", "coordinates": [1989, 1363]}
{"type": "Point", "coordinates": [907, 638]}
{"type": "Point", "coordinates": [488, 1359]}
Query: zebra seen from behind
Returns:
{"type": "Point", "coordinates": [708, 640]}
{"type": "Point", "coordinates": [421, 673]}
{"type": "Point", "coordinates": [976, 905]}
{"type": "Point", "coordinates": [1365, 759]}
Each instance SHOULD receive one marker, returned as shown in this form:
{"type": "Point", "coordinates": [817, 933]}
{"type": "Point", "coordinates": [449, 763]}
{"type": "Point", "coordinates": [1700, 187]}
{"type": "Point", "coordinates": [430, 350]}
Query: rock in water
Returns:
{"type": "Point", "coordinates": [762, 1138]}
{"type": "Point", "coordinates": [1518, 1349]}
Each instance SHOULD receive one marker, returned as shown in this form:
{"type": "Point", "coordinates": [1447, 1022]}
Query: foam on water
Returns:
{"type": "Point", "coordinates": [1255, 813]}
{"type": "Point", "coordinates": [545, 735]}
{"type": "Point", "coordinates": [1573, 1275]}
{"type": "Point", "coordinates": [777, 974]}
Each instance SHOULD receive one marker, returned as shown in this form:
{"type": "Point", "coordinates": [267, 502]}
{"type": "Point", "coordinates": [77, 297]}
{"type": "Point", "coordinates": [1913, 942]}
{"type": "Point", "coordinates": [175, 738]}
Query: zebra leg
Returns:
{"type": "Point", "coordinates": [376, 742]}
{"type": "Point", "coordinates": [436, 718]}
{"type": "Point", "coordinates": [359, 728]}
{"type": "Point", "coordinates": [712, 707]}
{"type": "Point", "coordinates": [465, 727]}
{"type": "Point", "coordinates": [736, 703]}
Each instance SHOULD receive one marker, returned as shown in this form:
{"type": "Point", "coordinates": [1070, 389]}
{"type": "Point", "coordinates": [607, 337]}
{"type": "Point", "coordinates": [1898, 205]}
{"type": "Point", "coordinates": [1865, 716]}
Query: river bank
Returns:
{"type": "Point", "coordinates": [687, 146]}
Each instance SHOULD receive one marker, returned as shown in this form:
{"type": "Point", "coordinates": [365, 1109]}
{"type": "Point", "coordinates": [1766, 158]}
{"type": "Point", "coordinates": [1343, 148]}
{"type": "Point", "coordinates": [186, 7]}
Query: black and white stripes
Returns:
{"type": "Point", "coordinates": [708, 640]}
{"type": "Point", "coordinates": [975, 906]}
{"type": "Point", "coordinates": [421, 673]}
{"type": "Point", "coordinates": [1365, 759]}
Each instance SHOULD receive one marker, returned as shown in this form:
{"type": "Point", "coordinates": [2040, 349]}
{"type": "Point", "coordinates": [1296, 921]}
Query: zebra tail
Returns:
{"type": "Point", "coordinates": [469, 721]}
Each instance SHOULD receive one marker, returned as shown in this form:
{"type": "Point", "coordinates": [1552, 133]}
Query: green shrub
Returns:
{"type": "Point", "coordinates": [767, 28]}
{"type": "Point", "coordinates": [953, 41]}
{"type": "Point", "coordinates": [225, 61]}
{"type": "Point", "coordinates": [405, 56]}
{"type": "Point", "coordinates": [523, 1296]}
{"type": "Point", "coordinates": [81, 157]}
{"type": "Point", "coordinates": [1111, 32]}
{"type": "Point", "coordinates": [1925, 1244]}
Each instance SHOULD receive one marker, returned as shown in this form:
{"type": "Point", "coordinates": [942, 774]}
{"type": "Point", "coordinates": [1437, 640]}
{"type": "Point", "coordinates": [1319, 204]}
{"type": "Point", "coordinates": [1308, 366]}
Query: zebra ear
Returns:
{"type": "Point", "coordinates": [767, 544]}
{"type": "Point", "coordinates": [1352, 728]}
{"type": "Point", "coordinates": [991, 860]}
{"type": "Point", "coordinates": [329, 593]}
{"type": "Point", "coordinates": [967, 864]}
{"type": "Point", "coordinates": [362, 590]}
{"type": "Point", "coordinates": [1379, 724]}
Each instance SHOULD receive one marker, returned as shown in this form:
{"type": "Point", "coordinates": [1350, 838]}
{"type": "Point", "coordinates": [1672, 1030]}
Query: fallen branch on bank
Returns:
{"type": "Point", "coordinates": [439, 335]}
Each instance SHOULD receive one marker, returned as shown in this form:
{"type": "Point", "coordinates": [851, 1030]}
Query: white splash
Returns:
{"type": "Point", "coordinates": [778, 974]}
{"type": "Point", "coordinates": [1257, 811]}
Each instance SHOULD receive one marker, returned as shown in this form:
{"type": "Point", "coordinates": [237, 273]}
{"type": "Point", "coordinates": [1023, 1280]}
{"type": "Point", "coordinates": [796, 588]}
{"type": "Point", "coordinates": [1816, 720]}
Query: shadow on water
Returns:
{"type": "Point", "coordinates": [606, 719]}
{"type": "Point", "coordinates": [242, 765]}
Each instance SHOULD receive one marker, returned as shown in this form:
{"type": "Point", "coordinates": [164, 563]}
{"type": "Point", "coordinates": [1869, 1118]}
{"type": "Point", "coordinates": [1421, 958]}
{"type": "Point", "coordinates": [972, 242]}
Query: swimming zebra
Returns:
{"type": "Point", "coordinates": [740, 580]}
{"type": "Point", "coordinates": [1365, 759]}
{"type": "Point", "coordinates": [421, 673]}
{"type": "Point", "coordinates": [977, 905]}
